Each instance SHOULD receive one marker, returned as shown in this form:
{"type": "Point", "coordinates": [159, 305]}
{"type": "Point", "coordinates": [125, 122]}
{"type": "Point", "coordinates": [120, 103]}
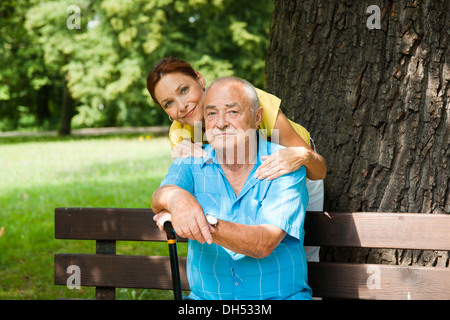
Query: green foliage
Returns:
{"type": "Point", "coordinates": [105, 62]}
{"type": "Point", "coordinates": [22, 71]}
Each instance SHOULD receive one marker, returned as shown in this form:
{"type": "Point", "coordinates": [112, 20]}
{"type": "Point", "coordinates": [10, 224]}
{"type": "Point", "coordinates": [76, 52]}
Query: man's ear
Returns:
{"type": "Point", "coordinates": [258, 116]}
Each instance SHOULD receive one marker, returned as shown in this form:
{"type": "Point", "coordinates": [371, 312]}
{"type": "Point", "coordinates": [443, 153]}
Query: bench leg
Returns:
{"type": "Point", "coordinates": [105, 247]}
{"type": "Point", "coordinates": [105, 293]}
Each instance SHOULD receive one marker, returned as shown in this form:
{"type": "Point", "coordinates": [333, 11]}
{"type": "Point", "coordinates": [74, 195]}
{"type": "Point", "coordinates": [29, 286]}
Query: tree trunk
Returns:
{"type": "Point", "coordinates": [67, 111]}
{"type": "Point", "coordinates": [375, 102]}
{"type": "Point", "coordinates": [42, 110]}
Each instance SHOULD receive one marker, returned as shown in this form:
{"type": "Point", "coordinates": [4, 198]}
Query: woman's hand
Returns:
{"type": "Point", "coordinates": [187, 149]}
{"type": "Point", "coordinates": [282, 162]}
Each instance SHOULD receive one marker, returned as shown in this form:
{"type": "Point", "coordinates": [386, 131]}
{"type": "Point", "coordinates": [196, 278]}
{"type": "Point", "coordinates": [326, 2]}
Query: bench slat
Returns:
{"type": "Point", "coordinates": [361, 229]}
{"type": "Point", "coordinates": [330, 280]}
{"type": "Point", "coordinates": [119, 271]}
{"type": "Point", "coordinates": [361, 281]}
{"type": "Point", "coordinates": [378, 230]}
{"type": "Point", "coordinates": [107, 224]}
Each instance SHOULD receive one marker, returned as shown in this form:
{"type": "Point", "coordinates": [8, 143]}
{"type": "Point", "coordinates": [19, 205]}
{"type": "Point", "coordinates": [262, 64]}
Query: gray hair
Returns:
{"type": "Point", "coordinates": [250, 92]}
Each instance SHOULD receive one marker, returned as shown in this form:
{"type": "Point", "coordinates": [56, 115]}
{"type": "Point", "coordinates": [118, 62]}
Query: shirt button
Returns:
{"type": "Point", "coordinates": [236, 284]}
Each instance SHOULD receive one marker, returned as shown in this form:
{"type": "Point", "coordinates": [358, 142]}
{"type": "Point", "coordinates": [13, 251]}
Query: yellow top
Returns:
{"type": "Point", "coordinates": [270, 104]}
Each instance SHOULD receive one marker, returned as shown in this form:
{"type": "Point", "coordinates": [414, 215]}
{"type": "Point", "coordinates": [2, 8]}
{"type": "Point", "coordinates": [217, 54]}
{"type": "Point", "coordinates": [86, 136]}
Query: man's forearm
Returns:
{"type": "Point", "coordinates": [255, 241]}
{"type": "Point", "coordinates": [161, 199]}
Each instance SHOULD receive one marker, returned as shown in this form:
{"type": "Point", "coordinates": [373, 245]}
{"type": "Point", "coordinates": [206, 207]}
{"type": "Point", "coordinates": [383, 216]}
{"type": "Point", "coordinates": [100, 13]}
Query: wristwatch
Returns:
{"type": "Point", "coordinates": [212, 220]}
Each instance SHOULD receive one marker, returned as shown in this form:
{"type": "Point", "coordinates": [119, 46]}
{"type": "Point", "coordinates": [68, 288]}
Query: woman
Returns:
{"type": "Point", "coordinates": [178, 89]}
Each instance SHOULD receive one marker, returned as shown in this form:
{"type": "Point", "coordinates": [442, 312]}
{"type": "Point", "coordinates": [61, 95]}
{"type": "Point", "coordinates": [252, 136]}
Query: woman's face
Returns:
{"type": "Point", "coordinates": [181, 96]}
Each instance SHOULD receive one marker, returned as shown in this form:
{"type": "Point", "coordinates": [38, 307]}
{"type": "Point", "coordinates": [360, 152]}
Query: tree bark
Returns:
{"type": "Point", "coordinates": [67, 111]}
{"type": "Point", "coordinates": [375, 102]}
{"type": "Point", "coordinates": [42, 109]}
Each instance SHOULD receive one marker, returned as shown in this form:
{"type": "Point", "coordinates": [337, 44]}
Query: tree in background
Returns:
{"type": "Point", "coordinates": [375, 98]}
{"type": "Point", "coordinates": [100, 68]}
{"type": "Point", "coordinates": [24, 79]}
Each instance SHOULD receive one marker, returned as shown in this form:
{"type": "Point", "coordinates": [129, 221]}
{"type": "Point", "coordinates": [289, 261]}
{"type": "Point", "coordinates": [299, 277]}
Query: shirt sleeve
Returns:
{"type": "Point", "coordinates": [284, 205]}
{"type": "Point", "coordinates": [271, 106]}
{"type": "Point", "coordinates": [180, 174]}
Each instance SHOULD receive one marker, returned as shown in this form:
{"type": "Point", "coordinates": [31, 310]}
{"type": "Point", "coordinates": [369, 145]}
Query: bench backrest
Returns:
{"type": "Point", "coordinates": [106, 271]}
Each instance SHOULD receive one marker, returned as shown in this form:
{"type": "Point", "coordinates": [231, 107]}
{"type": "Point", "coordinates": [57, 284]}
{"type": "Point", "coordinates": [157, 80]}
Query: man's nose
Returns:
{"type": "Point", "coordinates": [222, 121]}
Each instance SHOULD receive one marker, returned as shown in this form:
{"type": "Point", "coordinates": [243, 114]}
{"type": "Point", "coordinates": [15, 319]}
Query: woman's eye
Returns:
{"type": "Point", "coordinates": [184, 90]}
{"type": "Point", "coordinates": [168, 103]}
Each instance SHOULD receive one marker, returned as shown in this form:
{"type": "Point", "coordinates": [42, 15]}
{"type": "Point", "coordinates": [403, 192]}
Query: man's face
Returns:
{"type": "Point", "coordinates": [228, 117]}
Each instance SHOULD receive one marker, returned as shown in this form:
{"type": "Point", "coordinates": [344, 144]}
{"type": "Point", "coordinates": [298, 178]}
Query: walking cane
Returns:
{"type": "Point", "coordinates": [172, 242]}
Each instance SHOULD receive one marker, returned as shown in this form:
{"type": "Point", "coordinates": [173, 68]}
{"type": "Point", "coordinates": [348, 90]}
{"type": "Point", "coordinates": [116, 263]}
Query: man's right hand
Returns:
{"type": "Point", "coordinates": [188, 218]}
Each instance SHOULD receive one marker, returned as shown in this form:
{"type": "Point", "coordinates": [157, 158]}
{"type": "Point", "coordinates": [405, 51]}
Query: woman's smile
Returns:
{"type": "Point", "coordinates": [190, 113]}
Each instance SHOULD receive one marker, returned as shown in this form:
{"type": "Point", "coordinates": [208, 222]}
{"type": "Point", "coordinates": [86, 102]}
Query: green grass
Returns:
{"type": "Point", "coordinates": [38, 175]}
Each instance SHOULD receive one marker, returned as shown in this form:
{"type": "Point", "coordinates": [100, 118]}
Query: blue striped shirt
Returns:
{"type": "Point", "coordinates": [215, 272]}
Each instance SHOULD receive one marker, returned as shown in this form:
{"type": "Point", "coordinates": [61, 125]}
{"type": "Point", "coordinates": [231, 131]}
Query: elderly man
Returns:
{"type": "Point", "coordinates": [246, 234]}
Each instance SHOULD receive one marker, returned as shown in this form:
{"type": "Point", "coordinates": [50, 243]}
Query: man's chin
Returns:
{"type": "Point", "coordinates": [224, 142]}
{"type": "Point", "coordinates": [221, 147]}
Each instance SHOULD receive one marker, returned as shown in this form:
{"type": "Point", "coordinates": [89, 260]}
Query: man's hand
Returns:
{"type": "Point", "coordinates": [187, 216]}
{"type": "Point", "coordinates": [160, 218]}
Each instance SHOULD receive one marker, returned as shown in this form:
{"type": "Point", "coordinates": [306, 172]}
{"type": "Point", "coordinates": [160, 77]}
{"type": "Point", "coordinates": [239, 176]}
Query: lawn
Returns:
{"type": "Point", "coordinates": [38, 176]}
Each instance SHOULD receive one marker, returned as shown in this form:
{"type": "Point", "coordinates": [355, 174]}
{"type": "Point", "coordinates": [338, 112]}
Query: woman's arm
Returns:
{"type": "Point", "coordinates": [296, 154]}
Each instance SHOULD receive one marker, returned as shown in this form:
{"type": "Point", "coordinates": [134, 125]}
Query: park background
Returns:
{"type": "Point", "coordinates": [75, 64]}
{"type": "Point", "coordinates": [369, 79]}
{"type": "Point", "coordinates": [71, 68]}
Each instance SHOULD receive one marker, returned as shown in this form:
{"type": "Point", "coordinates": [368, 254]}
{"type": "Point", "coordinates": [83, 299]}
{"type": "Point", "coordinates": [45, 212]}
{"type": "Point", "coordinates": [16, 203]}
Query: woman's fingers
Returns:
{"type": "Point", "coordinates": [280, 163]}
{"type": "Point", "coordinates": [198, 150]}
{"type": "Point", "coordinates": [265, 172]}
{"type": "Point", "coordinates": [269, 167]}
{"type": "Point", "coordinates": [271, 173]}
{"type": "Point", "coordinates": [187, 149]}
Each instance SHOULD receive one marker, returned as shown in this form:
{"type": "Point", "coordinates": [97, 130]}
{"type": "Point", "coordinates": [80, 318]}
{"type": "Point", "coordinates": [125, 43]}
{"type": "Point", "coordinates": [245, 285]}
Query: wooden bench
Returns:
{"type": "Point", "coordinates": [106, 271]}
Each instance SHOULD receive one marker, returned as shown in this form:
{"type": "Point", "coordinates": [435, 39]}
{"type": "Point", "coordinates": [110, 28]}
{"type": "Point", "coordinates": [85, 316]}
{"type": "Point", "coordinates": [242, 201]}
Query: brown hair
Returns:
{"type": "Point", "coordinates": [166, 66]}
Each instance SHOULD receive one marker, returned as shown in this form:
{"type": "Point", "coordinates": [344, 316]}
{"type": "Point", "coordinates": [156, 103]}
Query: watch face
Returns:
{"type": "Point", "coordinates": [211, 219]}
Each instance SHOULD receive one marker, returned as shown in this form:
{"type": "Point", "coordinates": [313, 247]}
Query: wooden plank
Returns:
{"type": "Point", "coordinates": [119, 271]}
{"type": "Point", "coordinates": [107, 224]}
{"type": "Point", "coordinates": [382, 282]}
{"type": "Point", "coordinates": [378, 230]}
{"type": "Point", "coordinates": [328, 280]}
{"type": "Point", "coordinates": [362, 229]}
